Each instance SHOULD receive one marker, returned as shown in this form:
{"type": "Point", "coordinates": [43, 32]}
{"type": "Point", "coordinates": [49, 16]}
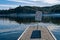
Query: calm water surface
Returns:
{"type": "Point", "coordinates": [11, 30]}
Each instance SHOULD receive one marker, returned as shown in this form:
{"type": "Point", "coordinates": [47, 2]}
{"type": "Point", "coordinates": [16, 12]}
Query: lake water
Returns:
{"type": "Point", "coordinates": [11, 30]}
{"type": "Point", "coordinates": [31, 15]}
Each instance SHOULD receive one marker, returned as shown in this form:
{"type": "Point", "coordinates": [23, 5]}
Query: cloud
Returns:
{"type": "Point", "coordinates": [5, 6]}
{"type": "Point", "coordinates": [40, 3]}
{"type": "Point", "coordinates": [52, 1]}
{"type": "Point", "coordinates": [22, 1]}
{"type": "Point", "coordinates": [49, 1]}
{"type": "Point", "coordinates": [31, 2]}
{"type": "Point", "coordinates": [34, 2]}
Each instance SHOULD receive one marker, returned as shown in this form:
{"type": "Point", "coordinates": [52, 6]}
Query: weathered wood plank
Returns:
{"type": "Point", "coordinates": [45, 34]}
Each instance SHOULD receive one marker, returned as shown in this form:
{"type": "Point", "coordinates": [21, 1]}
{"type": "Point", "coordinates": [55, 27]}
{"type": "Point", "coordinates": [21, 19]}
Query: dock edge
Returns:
{"type": "Point", "coordinates": [52, 34]}
{"type": "Point", "coordinates": [23, 33]}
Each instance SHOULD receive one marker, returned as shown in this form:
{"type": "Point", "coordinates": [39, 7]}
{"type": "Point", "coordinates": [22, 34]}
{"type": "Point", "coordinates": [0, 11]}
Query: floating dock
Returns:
{"type": "Point", "coordinates": [37, 33]}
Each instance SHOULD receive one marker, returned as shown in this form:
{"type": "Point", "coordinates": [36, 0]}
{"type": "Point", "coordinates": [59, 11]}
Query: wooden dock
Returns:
{"type": "Point", "coordinates": [45, 34]}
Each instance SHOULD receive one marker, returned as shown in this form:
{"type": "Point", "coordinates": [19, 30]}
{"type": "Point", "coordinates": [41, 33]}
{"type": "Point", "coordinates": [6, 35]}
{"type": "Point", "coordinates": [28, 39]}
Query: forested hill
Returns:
{"type": "Point", "coordinates": [32, 9]}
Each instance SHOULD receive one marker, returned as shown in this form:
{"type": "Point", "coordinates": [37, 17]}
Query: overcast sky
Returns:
{"type": "Point", "coordinates": [6, 4]}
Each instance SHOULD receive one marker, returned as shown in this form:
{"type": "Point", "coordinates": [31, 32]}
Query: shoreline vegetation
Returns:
{"type": "Point", "coordinates": [31, 9]}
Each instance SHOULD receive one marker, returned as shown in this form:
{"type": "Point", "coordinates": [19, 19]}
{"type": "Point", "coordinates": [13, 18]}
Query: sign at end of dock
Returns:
{"type": "Point", "coordinates": [38, 16]}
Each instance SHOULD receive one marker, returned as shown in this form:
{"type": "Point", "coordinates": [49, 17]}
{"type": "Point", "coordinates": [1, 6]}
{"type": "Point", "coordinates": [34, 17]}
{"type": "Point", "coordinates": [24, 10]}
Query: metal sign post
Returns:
{"type": "Point", "coordinates": [38, 17]}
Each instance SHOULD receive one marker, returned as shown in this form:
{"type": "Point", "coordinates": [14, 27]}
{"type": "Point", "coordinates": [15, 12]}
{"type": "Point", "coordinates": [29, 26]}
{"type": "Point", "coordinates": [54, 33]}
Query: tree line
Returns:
{"type": "Point", "coordinates": [32, 9]}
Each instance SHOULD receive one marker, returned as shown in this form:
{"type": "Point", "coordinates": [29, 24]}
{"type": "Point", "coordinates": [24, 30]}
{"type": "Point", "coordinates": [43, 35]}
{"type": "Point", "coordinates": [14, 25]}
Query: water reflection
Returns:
{"type": "Point", "coordinates": [6, 25]}
{"type": "Point", "coordinates": [10, 30]}
{"type": "Point", "coordinates": [14, 29]}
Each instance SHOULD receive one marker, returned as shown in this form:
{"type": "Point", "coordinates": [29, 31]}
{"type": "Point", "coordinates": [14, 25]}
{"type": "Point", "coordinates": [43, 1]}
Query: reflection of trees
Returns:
{"type": "Point", "coordinates": [20, 20]}
{"type": "Point", "coordinates": [32, 19]}
{"type": "Point", "coordinates": [51, 19]}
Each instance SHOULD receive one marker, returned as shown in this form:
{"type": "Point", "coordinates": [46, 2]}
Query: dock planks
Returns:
{"type": "Point", "coordinates": [45, 34]}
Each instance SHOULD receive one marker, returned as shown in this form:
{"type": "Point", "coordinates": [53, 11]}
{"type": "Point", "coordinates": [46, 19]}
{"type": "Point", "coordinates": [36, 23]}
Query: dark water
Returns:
{"type": "Point", "coordinates": [10, 30]}
{"type": "Point", "coordinates": [52, 15]}
{"type": "Point", "coordinates": [54, 28]}
{"type": "Point", "coordinates": [31, 15]}
{"type": "Point", "coordinates": [56, 32]}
